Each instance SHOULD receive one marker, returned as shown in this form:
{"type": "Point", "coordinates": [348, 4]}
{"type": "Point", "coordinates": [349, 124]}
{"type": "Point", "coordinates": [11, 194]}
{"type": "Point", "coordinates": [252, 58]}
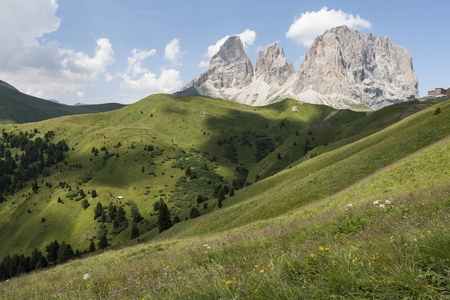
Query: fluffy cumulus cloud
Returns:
{"type": "Point", "coordinates": [311, 24]}
{"type": "Point", "coordinates": [134, 61]}
{"type": "Point", "coordinates": [172, 51]}
{"type": "Point", "coordinates": [168, 81]}
{"type": "Point", "coordinates": [44, 69]}
{"type": "Point", "coordinates": [138, 78]}
{"type": "Point", "coordinates": [247, 37]}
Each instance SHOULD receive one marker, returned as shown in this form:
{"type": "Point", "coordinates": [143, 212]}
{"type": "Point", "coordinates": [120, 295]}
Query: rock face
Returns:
{"type": "Point", "coordinates": [272, 66]}
{"type": "Point", "coordinates": [229, 71]}
{"type": "Point", "coordinates": [367, 69]}
{"type": "Point", "coordinates": [343, 68]}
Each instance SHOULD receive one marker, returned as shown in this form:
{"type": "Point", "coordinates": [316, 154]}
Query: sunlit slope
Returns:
{"type": "Point", "coordinates": [336, 130]}
{"type": "Point", "coordinates": [323, 175]}
{"type": "Point", "coordinates": [380, 237]}
{"type": "Point", "coordinates": [168, 123]}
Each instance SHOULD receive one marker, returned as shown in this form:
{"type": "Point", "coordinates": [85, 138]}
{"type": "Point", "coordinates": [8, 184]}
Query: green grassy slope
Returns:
{"type": "Point", "coordinates": [190, 125]}
{"type": "Point", "coordinates": [340, 129]}
{"type": "Point", "coordinates": [16, 107]}
{"type": "Point", "coordinates": [325, 174]}
{"type": "Point", "coordinates": [172, 124]}
{"type": "Point", "coordinates": [368, 220]}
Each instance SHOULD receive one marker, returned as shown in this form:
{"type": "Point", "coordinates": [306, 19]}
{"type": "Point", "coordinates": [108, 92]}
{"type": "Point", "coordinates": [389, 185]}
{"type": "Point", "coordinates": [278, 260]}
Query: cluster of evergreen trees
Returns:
{"type": "Point", "coordinates": [20, 264]}
{"type": "Point", "coordinates": [36, 154]}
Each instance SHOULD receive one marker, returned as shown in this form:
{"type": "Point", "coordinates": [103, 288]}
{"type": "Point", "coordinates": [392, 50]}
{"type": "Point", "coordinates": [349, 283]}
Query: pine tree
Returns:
{"type": "Point", "coordinates": [164, 221]}
{"type": "Point", "coordinates": [92, 246]}
{"type": "Point", "coordinates": [94, 193]}
{"type": "Point", "coordinates": [176, 219]}
{"type": "Point", "coordinates": [231, 192]}
{"type": "Point", "coordinates": [52, 252]}
{"type": "Point", "coordinates": [221, 194]}
{"type": "Point", "coordinates": [85, 204]}
{"type": "Point", "coordinates": [103, 243]}
{"type": "Point", "coordinates": [98, 210]}
{"type": "Point", "coordinates": [65, 253]}
{"type": "Point", "coordinates": [194, 213]}
{"type": "Point", "coordinates": [134, 231]}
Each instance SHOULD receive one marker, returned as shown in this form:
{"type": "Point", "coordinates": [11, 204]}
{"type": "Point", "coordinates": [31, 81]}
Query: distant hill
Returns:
{"type": "Point", "coordinates": [17, 107]}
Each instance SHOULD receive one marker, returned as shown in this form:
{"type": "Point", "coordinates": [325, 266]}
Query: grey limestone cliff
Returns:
{"type": "Point", "coordinates": [343, 68]}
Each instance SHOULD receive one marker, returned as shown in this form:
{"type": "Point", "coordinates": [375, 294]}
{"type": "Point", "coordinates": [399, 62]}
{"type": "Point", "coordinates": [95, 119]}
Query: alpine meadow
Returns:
{"type": "Point", "coordinates": [224, 150]}
{"type": "Point", "coordinates": [340, 208]}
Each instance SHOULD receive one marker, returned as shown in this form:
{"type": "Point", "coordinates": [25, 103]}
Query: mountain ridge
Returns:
{"type": "Point", "coordinates": [343, 68]}
{"type": "Point", "coordinates": [18, 107]}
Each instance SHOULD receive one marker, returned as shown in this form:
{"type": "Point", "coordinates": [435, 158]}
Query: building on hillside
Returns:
{"type": "Point", "coordinates": [438, 92]}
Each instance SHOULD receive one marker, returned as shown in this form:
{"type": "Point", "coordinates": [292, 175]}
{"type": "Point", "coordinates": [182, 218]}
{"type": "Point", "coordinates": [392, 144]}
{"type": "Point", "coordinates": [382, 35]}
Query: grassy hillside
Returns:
{"type": "Point", "coordinates": [366, 220]}
{"type": "Point", "coordinates": [183, 131]}
{"type": "Point", "coordinates": [16, 107]}
{"type": "Point", "coordinates": [219, 140]}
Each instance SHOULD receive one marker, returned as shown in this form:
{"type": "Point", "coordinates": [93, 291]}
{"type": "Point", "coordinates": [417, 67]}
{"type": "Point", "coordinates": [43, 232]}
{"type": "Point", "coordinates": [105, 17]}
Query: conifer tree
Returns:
{"type": "Point", "coordinates": [134, 231]}
{"type": "Point", "coordinates": [98, 210]}
{"type": "Point", "coordinates": [92, 246]}
{"type": "Point", "coordinates": [194, 213]}
{"type": "Point", "coordinates": [221, 194]}
{"type": "Point", "coordinates": [164, 221]}
{"type": "Point", "coordinates": [52, 252]}
{"type": "Point", "coordinates": [103, 243]}
{"type": "Point", "coordinates": [65, 253]}
{"type": "Point", "coordinates": [176, 219]}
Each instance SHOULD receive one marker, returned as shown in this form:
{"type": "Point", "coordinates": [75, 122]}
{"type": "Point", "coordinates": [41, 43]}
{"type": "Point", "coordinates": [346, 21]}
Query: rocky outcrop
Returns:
{"type": "Point", "coordinates": [229, 71]}
{"type": "Point", "coordinates": [343, 68]}
{"type": "Point", "coordinates": [363, 68]}
{"type": "Point", "coordinates": [272, 66]}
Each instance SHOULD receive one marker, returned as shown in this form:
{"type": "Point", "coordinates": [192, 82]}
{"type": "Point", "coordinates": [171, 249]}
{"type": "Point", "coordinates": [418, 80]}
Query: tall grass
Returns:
{"type": "Point", "coordinates": [389, 243]}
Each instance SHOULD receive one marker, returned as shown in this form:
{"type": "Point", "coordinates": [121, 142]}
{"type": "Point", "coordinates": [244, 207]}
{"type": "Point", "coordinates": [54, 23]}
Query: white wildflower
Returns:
{"type": "Point", "coordinates": [375, 202]}
{"type": "Point", "coordinates": [387, 202]}
{"type": "Point", "coordinates": [86, 276]}
{"type": "Point", "coordinates": [349, 205]}
{"type": "Point", "coordinates": [381, 206]}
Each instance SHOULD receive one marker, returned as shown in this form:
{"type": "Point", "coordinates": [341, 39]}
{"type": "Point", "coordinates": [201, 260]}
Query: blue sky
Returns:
{"type": "Point", "coordinates": [96, 51]}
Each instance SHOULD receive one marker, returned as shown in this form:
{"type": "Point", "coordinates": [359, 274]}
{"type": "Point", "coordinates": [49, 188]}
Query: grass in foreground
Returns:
{"type": "Point", "coordinates": [387, 244]}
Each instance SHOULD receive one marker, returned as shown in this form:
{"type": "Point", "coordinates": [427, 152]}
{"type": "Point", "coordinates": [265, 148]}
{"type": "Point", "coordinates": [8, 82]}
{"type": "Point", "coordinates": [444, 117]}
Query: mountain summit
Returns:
{"type": "Point", "coordinates": [343, 68]}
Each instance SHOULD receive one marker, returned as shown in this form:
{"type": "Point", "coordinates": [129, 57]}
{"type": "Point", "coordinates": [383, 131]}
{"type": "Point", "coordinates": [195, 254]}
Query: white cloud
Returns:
{"type": "Point", "coordinates": [172, 51]}
{"type": "Point", "coordinates": [80, 94]}
{"type": "Point", "coordinates": [247, 37]}
{"type": "Point", "coordinates": [23, 21]}
{"type": "Point", "coordinates": [38, 68]}
{"type": "Point", "coordinates": [167, 82]}
{"type": "Point", "coordinates": [311, 24]}
{"type": "Point", "coordinates": [134, 62]}
{"type": "Point", "coordinates": [203, 63]}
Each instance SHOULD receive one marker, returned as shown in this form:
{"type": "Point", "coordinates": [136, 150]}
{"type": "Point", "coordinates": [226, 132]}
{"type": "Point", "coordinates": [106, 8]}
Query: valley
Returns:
{"type": "Point", "coordinates": [285, 173]}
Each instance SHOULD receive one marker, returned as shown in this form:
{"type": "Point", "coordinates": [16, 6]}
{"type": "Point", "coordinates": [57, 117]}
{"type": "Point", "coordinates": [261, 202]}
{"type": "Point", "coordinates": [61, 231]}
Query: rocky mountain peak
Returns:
{"type": "Point", "coordinates": [232, 49]}
{"type": "Point", "coordinates": [230, 68]}
{"type": "Point", "coordinates": [272, 65]}
{"type": "Point", "coordinates": [366, 69]}
{"type": "Point", "coordinates": [343, 68]}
